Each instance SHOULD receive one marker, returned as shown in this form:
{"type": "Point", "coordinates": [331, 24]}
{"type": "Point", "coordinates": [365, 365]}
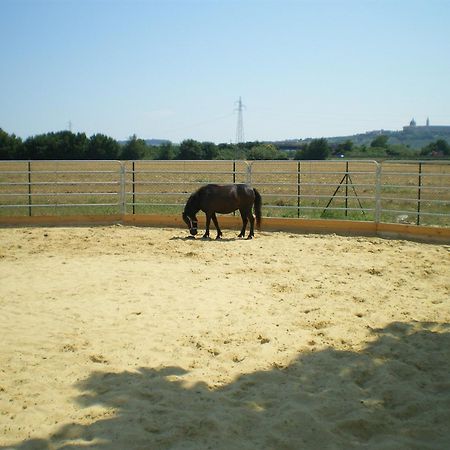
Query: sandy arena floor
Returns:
{"type": "Point", "coordinates": [137, 338]}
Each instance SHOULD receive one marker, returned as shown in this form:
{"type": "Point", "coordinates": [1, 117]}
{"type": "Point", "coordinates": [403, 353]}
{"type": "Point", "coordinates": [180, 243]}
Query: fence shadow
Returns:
{"type": "Point", "coordinates": [394, 393]}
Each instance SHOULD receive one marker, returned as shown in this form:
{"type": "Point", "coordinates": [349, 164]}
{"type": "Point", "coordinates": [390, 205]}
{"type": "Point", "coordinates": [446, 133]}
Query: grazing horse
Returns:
{"type": "Point", "coordinates": [223, 199]}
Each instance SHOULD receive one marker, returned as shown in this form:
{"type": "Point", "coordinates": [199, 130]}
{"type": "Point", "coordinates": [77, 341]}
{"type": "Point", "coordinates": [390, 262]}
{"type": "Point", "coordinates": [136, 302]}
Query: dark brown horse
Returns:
{"type": "Point", "coordinates": [223, 199]}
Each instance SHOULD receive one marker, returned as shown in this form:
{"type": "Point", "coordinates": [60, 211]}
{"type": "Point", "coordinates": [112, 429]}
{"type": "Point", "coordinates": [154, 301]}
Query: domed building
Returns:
{"type": "Point", "coordinates": [413, 127]}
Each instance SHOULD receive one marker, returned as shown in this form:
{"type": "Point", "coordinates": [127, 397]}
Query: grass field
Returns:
{"type": "Point", "coordinates": [309, 189]}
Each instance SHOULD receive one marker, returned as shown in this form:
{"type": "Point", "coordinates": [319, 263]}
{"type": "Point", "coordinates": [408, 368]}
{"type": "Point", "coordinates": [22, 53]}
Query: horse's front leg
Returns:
{"type": "Point", "coordinates": [208, 222]}
{"type": "Point", "coordinates": [216, 224]}
{"type": "Point", "coordinates": [244, 223]}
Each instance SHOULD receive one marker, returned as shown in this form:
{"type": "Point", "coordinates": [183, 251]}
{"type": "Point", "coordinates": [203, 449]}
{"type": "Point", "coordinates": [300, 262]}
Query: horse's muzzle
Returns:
{"type": "Point", "coordinates": [193, 231]}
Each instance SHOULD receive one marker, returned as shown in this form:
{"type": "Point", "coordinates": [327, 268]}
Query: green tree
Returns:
{"type": "Point", "coordinates": [265, 151]}
{"type": "Point", "coordinates": [300, 151]}
{"type": "Point", "coordinates": [443, 147]}
{"type": "Point", "coordinates": [344, 147]}
{"type": "Point", "coordinates": [59, 145]}
{"type": "Point", "coordinates": [71, 146]}
{"type": "Point", "coordinates": [10, 146]}
{"type": "Point", "coordinates": [166, 151]}
{"type": "Point", "coordinates": [317, 149]}
{"type": "Point", "coordinates": [229, 151]}
{"type": "Point", "coordinates": [102, 147]}
{"type": "Point", "coordinates": [209, 150]}
{"type": "Point", "coordinates": [37, 147]}
{"type": "Point", "coordinates": [437, 148]}
{"type": "Point", "coordinates": [380, 141]}
{"type": "Point", "coordinates": [133, 149]}
{"type": "Point", "coordinates": [190, 149]}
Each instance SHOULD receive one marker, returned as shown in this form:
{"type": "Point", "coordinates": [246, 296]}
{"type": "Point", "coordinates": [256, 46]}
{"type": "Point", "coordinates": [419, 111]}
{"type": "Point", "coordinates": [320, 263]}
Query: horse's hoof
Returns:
{"type": "Point", "coordinates": [249, 237]}
{"type": "Point", "coordinates": [190, 237]}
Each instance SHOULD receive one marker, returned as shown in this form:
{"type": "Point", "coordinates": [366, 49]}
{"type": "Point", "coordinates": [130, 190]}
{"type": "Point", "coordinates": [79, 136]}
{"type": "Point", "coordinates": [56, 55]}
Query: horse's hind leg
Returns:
{"type": "Point", "coordinates": [252, 224]}
{"type": "Point", "coordinates": [244, 216]}
{"type": "Point", "coordinates": [216, 224]}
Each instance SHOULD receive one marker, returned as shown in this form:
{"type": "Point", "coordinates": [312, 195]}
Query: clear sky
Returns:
{"type": "Point", "coordinates": [175, 69]}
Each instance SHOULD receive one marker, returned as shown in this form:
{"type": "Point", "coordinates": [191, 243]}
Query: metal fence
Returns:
{"type": "Point", "coordinates": [416, 192]}
{"type": "Point", "coordinates": [37, 188]}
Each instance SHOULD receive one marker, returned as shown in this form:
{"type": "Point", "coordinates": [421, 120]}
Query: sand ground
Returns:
{"type": "Point", "coordinates": [138, 338]}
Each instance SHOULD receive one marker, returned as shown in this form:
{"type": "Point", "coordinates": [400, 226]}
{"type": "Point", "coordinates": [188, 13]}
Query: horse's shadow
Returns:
{"type": "Point", "coordinates": [207, 239]}
{"type": "Point", "coordinates": [393, 393]}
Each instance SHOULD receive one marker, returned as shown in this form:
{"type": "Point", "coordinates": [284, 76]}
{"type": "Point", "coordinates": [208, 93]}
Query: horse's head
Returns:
{"type": "Point", "coordinates": [192, 223]}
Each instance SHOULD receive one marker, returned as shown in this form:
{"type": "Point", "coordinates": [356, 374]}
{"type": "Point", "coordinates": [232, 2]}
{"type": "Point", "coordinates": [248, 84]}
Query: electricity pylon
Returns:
{"type": "Point", "coordinates": [240, 122]}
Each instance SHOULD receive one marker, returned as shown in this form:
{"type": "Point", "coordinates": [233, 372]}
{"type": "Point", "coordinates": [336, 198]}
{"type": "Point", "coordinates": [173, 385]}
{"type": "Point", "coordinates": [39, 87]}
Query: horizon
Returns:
{"type": "Point", "coordinates": [162, 139]}
{"type": "Point", "coordinates": [175, 70]}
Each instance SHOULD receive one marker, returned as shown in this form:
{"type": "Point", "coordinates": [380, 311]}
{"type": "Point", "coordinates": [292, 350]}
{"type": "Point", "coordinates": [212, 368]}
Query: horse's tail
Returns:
{"type": "Point", "coordinates": [258, 203]}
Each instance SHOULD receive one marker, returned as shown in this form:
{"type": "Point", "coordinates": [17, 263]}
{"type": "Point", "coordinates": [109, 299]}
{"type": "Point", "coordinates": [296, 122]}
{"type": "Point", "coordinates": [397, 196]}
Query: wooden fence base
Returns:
{"type": "Point", "coordinates": [341, 227]}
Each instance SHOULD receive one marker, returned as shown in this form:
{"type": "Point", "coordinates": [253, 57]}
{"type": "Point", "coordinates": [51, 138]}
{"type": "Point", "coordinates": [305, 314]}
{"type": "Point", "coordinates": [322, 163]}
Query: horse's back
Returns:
{"type": "Point", "coordinates": [239, 190]}
{"type": "Point", "coordinates": [226, 198]}
{"type": "Point", "coordinates": [225, 189]}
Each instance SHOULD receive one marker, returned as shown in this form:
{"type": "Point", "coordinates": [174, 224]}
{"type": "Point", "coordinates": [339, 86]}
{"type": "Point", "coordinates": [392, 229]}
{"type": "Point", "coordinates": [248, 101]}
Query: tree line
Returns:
{"type": "Point", "coordinates": [77, 146]}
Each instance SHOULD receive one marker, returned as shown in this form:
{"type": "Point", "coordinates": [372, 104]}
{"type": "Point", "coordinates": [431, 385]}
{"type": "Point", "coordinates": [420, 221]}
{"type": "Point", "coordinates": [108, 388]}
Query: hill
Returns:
{"type": "Point", "coordinates": [414, 137]}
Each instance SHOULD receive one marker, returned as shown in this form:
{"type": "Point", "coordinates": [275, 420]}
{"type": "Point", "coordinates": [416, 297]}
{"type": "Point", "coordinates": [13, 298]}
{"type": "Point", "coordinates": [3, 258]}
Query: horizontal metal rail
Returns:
{"type": "Point", "coordinates": [406, 199]}
{"type": "Point", "coordinates": [62, 183]}
{"type": "Point", "coordinates": [415, 213]}
{"type": "Point", "coordinates": [403, 186]}
{"type": "Point", "coordinates": [58, 205]}
{"type": "Point", "coordinates": [54, 194]}
{"type": "Point", "coordinates": [186, 172]}
{"type": "Point", "coordinates": [312, 184]}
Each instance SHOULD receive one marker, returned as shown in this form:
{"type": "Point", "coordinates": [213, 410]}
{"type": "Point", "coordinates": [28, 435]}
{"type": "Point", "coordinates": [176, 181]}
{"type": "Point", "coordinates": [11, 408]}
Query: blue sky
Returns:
{"type": "Point", "coordinates": [174, 69]}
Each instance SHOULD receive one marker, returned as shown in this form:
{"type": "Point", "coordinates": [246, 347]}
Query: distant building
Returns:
{"type": "Point", "coordinates": [413, 127]}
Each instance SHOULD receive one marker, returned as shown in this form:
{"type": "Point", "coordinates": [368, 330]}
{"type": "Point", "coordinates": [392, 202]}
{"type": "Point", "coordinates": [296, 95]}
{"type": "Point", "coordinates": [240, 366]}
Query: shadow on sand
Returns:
{"type": "Point", "coordinates": [394, 393]}
{"type": "Point", "coordinates": [210, 239]}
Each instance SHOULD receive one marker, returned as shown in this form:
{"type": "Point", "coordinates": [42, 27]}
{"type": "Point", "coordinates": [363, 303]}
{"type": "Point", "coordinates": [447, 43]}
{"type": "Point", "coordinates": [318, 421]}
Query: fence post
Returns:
{"type": "Point", "coordinates": [134, 194]}
{"type": "Point", "coordinates": [419, 193]}
{"type": "Point", "coordinates": [298, 189]}
{"type": "Point", "coordinates": [346, 188]}
{"type": "Point", "coordinates": [122, 181]}
{"type": "Point", "coordinates": [249, 173]}
{"type": "Point", "coordinates": [378, 193]}
{"type": "Point", "coordinates": [29, 188]}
